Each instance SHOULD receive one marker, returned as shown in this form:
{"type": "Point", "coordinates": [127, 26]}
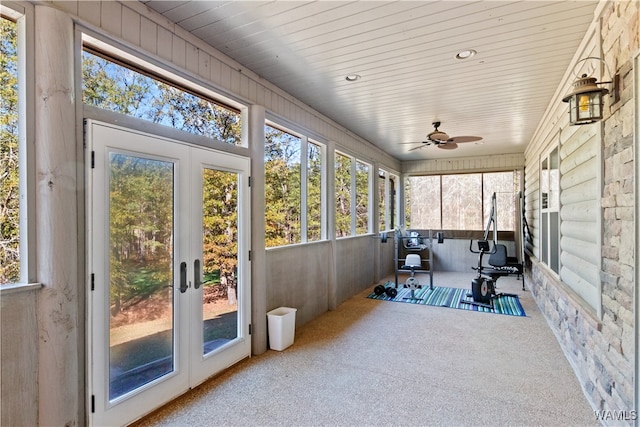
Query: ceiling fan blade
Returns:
{"type": "Point", "coordinates": [448, 146]}
{"type": "Point", "coordinates": [418, 147]}
{"type": "Point", "coordinates": [459, 139]}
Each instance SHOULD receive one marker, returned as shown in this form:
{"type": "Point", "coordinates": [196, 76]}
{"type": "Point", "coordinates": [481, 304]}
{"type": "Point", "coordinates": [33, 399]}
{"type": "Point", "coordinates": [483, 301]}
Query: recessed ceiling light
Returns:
{"type": "Point", "coordinates": [466, 54]}
{"type": "Point", "coordinates": [352, 77]}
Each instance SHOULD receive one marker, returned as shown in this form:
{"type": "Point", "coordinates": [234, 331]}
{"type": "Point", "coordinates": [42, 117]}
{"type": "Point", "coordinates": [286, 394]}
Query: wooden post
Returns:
{"type": "Point", "coordinates": [258, 253]}
{"type": "Point", "coordinates": [60, 370]}
{"type": "Point", "coordinates": [332, 288]}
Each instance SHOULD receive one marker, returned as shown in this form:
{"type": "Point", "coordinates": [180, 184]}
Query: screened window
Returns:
{"type": "Point", "coordinates": [386, 200]}
{"type": "Point", "coordinates": [353, 183]}
{"type": "Point", "coordinates": [362, 197]}
{"type": "Point", "coordinates": [314, 192]}
{"type": "Point", "coordinates": [282, 187]}
{"type": "Point", "coordinates": [13, 268]}
{"type": "Point", "coordinates": [382, 200]}
{"type": "Point", "coordinates": [115, 87]}
{"type": "Point", "coordinates": [506, 187]}
{"type": "Point", "coordinates": [294, 185]}
{"type": "Point", "coordinates": [461, 201]}
{"type": "Point", "coordinates": [343, 195]}
{"type": "Point", "coordinates": [425, 211]}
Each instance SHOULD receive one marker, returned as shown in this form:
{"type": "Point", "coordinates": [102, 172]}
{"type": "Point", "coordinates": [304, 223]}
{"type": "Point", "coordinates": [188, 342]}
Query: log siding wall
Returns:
{"type": "Point", "coordinates": [580, 244]}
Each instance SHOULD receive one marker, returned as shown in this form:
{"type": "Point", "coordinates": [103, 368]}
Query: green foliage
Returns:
{"type": "Point", "coordinates": [220, 225]}
{"type": "Point", "coordinates": [141, 228]}
{"type": "Point", "coordinates": [113, 87]}
{"type": "Point", "coordinates": [362, 198]}
{"type": "Point", "coordinates": [314, 193]}
{"type": "Point", "coordinates": [282, 188]}
{"type": "Point", "coordinates": [9, 172]}
{"type": "Point", "coordinates": [343, 195]}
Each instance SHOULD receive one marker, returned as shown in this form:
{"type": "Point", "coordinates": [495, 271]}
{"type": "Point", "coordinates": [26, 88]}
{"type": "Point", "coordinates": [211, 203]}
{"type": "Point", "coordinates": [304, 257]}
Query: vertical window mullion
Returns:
{"type": "Point", "coordinates": [304, 162]}
{"type": "Point", "coordinates": [441, 203]}
{"type": "Point", "coordinates": [387, 202]}
{"type": "Point", "coordinates": [370, 199]}
{"type": "Point", "coordinates": [353, 196]}
{"type": "Point", "coordinates": [484, 220]}
{"type": "Point", "coordinates": [323, 191]}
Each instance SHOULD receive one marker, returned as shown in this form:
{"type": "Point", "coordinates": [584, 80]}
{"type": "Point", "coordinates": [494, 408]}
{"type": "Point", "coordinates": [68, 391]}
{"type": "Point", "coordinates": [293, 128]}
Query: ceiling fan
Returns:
{"type": "Point", "coordinates": [441, 140]}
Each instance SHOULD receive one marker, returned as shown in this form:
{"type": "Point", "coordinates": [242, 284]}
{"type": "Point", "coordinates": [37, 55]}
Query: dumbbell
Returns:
{"type": "Point", "coordinates": [390, 291]}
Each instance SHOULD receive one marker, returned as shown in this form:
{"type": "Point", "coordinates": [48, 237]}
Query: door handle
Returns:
{"type": "Point", "coordinates": [183, 277]}
{"type": "Point", "coordinates": [197, 282]}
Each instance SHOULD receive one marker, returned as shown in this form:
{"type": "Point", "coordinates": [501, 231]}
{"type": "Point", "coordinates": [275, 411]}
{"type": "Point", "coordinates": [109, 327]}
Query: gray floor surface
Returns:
{"type": "Point", "coordinates": [371, 363]}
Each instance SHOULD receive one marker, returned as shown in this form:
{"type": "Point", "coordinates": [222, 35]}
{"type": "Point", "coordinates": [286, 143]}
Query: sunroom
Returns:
{"type": "Point", "coordinates": [173, 171]}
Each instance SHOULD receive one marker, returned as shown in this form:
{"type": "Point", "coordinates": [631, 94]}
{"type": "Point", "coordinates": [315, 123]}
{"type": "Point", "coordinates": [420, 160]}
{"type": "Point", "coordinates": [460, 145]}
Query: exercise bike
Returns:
{"type": "Point", "coordinates": [483, 286]}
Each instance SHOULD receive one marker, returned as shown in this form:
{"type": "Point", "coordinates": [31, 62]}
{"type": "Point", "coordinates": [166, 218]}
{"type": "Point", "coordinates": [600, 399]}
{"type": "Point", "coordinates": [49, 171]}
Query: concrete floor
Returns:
{"type": "Point", "coordinates": [384, 363]}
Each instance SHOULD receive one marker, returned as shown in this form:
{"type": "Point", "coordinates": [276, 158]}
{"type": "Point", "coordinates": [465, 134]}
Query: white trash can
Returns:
{"type": "Point", "coordinates": [282, 327]}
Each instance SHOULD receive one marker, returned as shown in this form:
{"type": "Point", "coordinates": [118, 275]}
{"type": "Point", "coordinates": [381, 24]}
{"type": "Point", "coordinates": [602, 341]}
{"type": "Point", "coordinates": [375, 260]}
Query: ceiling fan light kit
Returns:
{"type": "Point", "coordinates": [438, 136]}
{"type": "Point", "coordinates": [444, 141]}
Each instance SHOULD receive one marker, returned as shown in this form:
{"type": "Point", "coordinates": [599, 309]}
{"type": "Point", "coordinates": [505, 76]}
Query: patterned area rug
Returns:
{"type": "Point", "coordinates": [452, 298]}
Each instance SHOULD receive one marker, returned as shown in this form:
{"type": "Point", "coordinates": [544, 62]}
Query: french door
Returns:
{"type": "Point", "coordinates": [169, 274]}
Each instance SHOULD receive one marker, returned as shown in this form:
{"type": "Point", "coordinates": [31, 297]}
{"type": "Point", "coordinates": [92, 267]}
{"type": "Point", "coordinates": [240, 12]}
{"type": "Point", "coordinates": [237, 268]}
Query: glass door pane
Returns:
{"type": "Point", "coordinates": [141, 312]}
{"type": "Point", "coordinates": [220, 309]}
{"type": "Point", "coordinates": [220, 258]}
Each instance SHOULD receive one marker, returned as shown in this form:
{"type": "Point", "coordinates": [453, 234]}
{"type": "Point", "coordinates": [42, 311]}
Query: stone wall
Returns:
{"type": "Point", "coordinates": [621, 40]}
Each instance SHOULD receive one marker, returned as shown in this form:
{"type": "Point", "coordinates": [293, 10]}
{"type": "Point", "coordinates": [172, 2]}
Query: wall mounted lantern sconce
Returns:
{"type": "Point", "coordinates": [586, 100]}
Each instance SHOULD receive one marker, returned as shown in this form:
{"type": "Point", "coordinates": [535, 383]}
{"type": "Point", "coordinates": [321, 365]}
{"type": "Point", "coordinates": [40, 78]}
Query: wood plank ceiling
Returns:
{"type": "Point", "coordinates": [405, 55]}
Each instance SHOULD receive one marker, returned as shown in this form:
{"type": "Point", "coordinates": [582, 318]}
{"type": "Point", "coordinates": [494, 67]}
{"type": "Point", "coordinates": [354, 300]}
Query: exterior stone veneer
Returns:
{"type": "Point", "coordinates": [593, 348]}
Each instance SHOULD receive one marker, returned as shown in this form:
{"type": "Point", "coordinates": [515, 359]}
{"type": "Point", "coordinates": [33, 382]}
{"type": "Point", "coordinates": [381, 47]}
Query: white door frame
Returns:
{"type": "Point", "coordinates": [134, 404]}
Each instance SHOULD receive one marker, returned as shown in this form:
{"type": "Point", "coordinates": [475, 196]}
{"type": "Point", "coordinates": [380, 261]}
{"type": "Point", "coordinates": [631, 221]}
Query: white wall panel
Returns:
{"type": "Point", "coordinates": [111, 19]}
{"type": "Point", "coordinates": [179, 52]}
{"type": "Point", "coordinates": [148, 32]}
{"type": "Point", "coordinates": [130, 26]}
{"type": "Point", "coordinates": [89, 13]}
{"type": "Point", "coordinates": [164, 45]}
{"type": "Point", "coordinates": [465, 164]}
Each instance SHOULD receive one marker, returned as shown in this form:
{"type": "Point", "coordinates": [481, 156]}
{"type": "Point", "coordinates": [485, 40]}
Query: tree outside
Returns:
{"type": "Point", "coordinates": [343, 195]}
{"type": "Point", "coordinates": [282, 188]}
{"type": "Point", "coordinates": [9, 171]}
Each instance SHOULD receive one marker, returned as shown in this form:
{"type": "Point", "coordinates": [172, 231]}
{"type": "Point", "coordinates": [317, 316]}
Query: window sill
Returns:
{"type": "Point", "coordinates": [574, 300]}
{"type": "Point", "coordinates": [19, 287]}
